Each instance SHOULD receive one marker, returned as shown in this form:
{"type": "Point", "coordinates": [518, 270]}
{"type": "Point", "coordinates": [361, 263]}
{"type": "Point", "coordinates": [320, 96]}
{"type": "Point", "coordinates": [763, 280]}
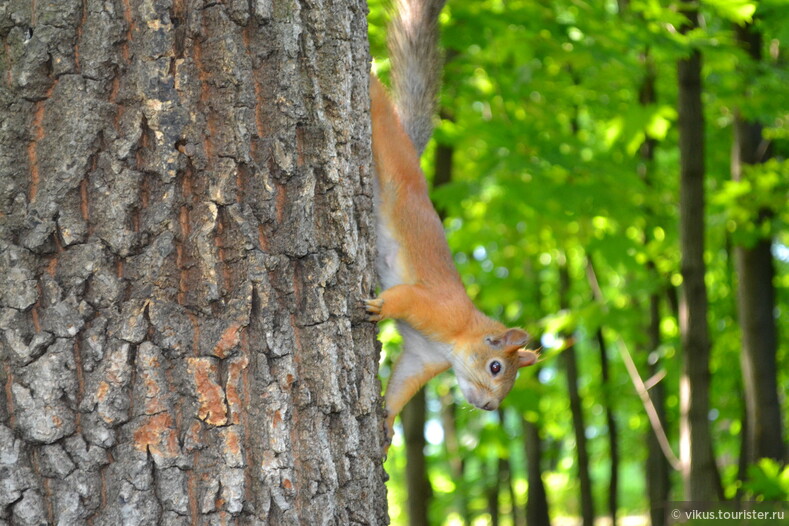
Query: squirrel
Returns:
{"type": "Point", "coordinates": [439, 324]}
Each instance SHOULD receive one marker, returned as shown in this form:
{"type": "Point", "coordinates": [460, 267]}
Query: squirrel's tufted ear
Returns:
{"type": "Point", "coordinates": [508, 339]}
{"type": "Point", "coordinates": [526, 357]}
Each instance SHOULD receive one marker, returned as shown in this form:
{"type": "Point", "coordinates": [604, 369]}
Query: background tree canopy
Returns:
{"type": "Point", "coordinates": [561, 204]}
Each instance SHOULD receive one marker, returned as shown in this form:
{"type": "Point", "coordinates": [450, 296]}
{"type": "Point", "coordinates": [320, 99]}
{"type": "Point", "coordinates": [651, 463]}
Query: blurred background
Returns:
{"type": "Point", "coordinates": [613, 177]}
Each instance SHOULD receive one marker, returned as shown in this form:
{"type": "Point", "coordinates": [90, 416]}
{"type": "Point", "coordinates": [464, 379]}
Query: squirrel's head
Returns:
{"type": "Point", "coordinates": [489, 365]}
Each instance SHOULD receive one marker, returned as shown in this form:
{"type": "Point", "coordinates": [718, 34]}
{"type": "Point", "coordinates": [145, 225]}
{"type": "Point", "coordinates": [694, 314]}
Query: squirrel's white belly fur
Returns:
{"type": "Point", "coordinates": [387, 264]}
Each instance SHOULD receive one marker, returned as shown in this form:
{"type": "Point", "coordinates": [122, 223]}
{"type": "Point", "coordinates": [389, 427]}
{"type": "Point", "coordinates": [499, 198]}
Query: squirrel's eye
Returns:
{"type": "Point", "coordinates": [495, 367]}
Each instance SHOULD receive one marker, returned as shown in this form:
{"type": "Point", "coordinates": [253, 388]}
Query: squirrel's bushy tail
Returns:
{"type": "Point", "coordinates": [416, 65]}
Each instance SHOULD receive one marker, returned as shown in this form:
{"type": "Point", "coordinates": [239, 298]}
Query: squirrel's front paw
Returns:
{"type": "Point", "coordinates": [373, 308]}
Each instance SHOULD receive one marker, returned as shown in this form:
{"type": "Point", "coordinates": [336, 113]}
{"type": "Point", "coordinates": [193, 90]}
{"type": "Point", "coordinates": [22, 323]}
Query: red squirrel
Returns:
{"type": "Point", "coordinates": [439, 324]}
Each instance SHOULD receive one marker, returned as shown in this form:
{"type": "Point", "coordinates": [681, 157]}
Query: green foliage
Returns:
{"type": "Point", "coordinates": [755, 206]}
{"type": "Point", "coordinates": [737, 11]}
{"type": "Point", "coordinates": [768, 480]}
{"type": "Point", "coordinates": [544, 109]}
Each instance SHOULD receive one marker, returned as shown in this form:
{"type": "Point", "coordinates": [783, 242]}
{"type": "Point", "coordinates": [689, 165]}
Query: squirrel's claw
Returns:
{"type": "Point", "coordinates": [373, 308]}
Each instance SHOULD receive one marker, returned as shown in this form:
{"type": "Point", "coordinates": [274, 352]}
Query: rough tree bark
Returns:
{"type": "Point", "coordinates": [185, 227]}
{"type": "Point", "coordinates": [699, 471]}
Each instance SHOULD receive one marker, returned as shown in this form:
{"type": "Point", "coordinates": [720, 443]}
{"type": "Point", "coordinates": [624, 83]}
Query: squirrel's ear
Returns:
{"type": "Point", "coordinates": [508, 339]}
{"type": "Point", "coordinates": [526, 358]}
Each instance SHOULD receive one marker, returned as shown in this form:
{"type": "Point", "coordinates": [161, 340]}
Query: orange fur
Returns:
{"type": "Point", "coordinates": [430, 297]}
{"type": "Point", "coordinates": [396, 399]}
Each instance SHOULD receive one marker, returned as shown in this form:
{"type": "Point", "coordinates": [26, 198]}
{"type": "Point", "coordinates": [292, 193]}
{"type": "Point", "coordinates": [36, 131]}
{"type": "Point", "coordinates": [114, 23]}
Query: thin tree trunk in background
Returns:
{"type": "Point", "coordinates": [516, 517]}
{"type": "Point", "coordinates": [756, 297]}
{"type": "Point", "coordinates": [537, 499]}
{"type": "Point", "coordinates": [613, 433]}
{"type": "Point", "coordinates": [699, 471]}
{"type": "Point", "coordinates": [456, 462]}
{"type": "Point", "coordinates": [505, 480]}
{"type": "Point", "coordinates": [187, 225]}
{"type": "Point", "coordinates": [579, 428]}
{"type": "Point", "coordinates": [569, 359]}
{"type": "Point", "coordinates": [494, 477]}
{"type": "Point", "coordinates": [500, 477]}
{"type": "Point", "coordinates": [419, 490]}
{"type": "Point", "coordinates": [605, 383]}
{"type": "Point", "coordinates": [537, 505]}
{"type": "Point", "coordinates": [576, 409]}
{"type": "Point", "coordinates": [742, 461]}
{"type": "Point", "coordinates": [658, 468]}
{"type": "Point", "coordinates": [443, 164]}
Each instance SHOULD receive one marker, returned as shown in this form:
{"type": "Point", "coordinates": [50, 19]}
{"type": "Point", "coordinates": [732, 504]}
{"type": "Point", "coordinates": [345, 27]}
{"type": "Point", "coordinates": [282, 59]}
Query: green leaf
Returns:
{"type": "Point", "coordinates": [768, 480]}
{"type": "Point", "coordinates": [737, 11]}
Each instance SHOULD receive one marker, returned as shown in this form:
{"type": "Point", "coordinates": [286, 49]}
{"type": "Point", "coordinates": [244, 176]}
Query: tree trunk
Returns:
{"type": "Point", "coordinates": [494, 476]}
{"type": "Point", "coordinates": [516, 519]}
{"type": "Point", "coordinates": [420, 491]}
{"type": "Point", "coordinates": [756, 298]}
{"type": "Point", "coordinates": [700, 474]}
{"type": "Point", "coordinates": [605, 383]}
{"type": "Point", "coordinates": [186, 230]}
{"type": "Point", "coordinates": [658, 468]}
{"type": "Point", "coordinates": [537, 499]}
{"type": "Point", "coordinates": [576, 408]}
{"type": "Point", "coordinates": [537, 505]}
{"type": "Point", "coordinates": [613, 433]}
{"type": "Point", "coordinates": [457, 465]}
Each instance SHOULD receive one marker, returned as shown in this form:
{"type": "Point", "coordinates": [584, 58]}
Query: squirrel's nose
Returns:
{"type": "Point", "coordinates": [479, 397]}
{"type": "Point", "coordinates": [490, 405]}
